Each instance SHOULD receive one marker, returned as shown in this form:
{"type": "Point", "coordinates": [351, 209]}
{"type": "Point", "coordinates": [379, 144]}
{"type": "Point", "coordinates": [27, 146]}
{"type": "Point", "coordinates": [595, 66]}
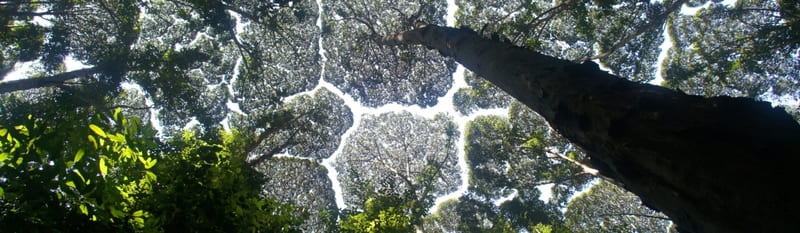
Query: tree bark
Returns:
{"type": "Point", "coordinates": [58, 79]}
{"type": "Point", "coordinates": [718, 164]}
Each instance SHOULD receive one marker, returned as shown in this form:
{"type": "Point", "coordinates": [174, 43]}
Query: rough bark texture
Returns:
{"type": "Point", "coordinates": [712, 164]}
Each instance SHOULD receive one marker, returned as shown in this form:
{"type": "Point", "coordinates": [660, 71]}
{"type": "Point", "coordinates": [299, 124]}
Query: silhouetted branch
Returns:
{"type": "Point", "coordinates": [54, 80]}
{"type": "Point", "coordinates": [657, 21]}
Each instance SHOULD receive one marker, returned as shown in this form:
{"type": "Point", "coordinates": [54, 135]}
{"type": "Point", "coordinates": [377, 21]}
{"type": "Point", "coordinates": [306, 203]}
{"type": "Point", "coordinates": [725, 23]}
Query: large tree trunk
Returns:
{"type": "Point", "coordinates": [717, 164]}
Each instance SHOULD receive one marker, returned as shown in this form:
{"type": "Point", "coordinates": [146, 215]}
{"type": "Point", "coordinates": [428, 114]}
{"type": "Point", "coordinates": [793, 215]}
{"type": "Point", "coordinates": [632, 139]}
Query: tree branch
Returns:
{"type": "Point", "coordinates": [264, 135]}
{"type": "Point", "coordinates": [54, 80]}
{"type": "Point", "coordinates": [632, 214]}
{"type": "Point", "coordinates": [586, 168]}
{"type": "Point", "coordinates": [657, 21]}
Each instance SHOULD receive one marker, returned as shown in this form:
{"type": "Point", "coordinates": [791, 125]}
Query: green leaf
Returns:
{"type": "Point", "coordinates": [81, 176]}
{"type": "Point", "coordinates": [84, 210]}
{"type": "Point", "coordinates": [116, 213]}
{"type": "Point", "coordinates": [97, 130]}
{"type": "Point", "coordinates": [119, 138]}
{"type": "Point", "coordinates": [22, 129]}
{"type": "Point", "coordinates": [103, 168]}
{"type": "Point", "coordinates": [150, 175]}
{"type": "Point", "coordinates": [148, 163]}
{"type": "Point", "coordinates": [3, 132]}
{"type": "Point", "coordinates": [138, 213]}
{"type": "Point", "coordinates": [116, 113]}
{"type": "Point", "coordinates": [78, 155]}
{"type": "Point", "coordinates": [71, 184]}
{"type": "Point", "coordinates": [532, 143]}
{"type": "Point", "coordinates": [2, 192]}
{"type": "Point", "coordinates": [94, 141]}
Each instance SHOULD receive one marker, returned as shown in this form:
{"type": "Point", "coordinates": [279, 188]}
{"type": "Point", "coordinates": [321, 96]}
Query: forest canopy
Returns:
{"type": "Point", "coordinates": [290, 116]}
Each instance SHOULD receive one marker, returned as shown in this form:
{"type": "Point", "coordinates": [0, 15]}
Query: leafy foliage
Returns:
{"type": "Point", "coordinates": [106, 173]}
{"type": "Point", "coordinates": [480, 94]}
{"type": "Point", "coordinates": [385, 154]}
{"type": "Point", "coordinates": [380, 214]}
{"type": "Point", "coordinates": [608, 208]}
{"type": "Point", "coordinates": [375, 75]}
{"type": "Point", "coordinates": [304, 183]}
{"type": "Point", "coordinates": [748, 49]}
{"type": "Point", "coordinates": [251, 63]}
{"type": "Point", "coordinates": [206, 186]}
{"type": "Point", "coordinates": [87, 172]}
{"type": "Point", "coordinates": [574, 30]}
{"type": "Point", "coordinates": [307, 126]}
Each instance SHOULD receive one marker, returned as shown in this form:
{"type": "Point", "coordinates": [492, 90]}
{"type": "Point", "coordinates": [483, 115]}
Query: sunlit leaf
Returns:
{"type": "Point", "coordinates": [150, 175]}
{"type": "Point", "coordinates": [103, 168]}
{"type": "Point", "coordinates": [84, 210]}
{"type": "Point", "coordinates": [122, 192]}
{"type": "Point", "coordinates": [71, 184]}
{"type": "Point", "coordinates": [532, 143]}
{"type": "Point", "coordinates": [78, 155]}
{"type": "Point", "coordinates": [116, 137]}
{"type": "Point", "coordinates": [127, 153]}
{"type": "Point", "coordinates": [81, 176]}
{"type": "Point", "coordinates": [97, 130]}
{"type": "Point", "coordinates": [22, 129]}
{"type": "Point", "coordinates": [148, 163]}
{"type": "Point", "coordinates": [117, 111]}
{"type": "Point", "coordinates": [93, 140]}
{"type": "Point", "coordinates": [3, 132]}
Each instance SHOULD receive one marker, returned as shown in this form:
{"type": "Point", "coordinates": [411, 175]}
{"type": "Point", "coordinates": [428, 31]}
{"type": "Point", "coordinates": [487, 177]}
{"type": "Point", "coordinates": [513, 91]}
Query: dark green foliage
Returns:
{"type": "Point", "coordinates": [513, 158]}
{"type": "Point", "coordinates": [386, 153]}
{"type": "Point", "coordinates": [305, 183]}
{"type": "Point", "coordinates": [381, 214]}
{"type": "Point", "coordinates": [206, 186]}
{"type": "Point", "coordinates": [744, 50]}
{"type": "Point", "coordinates": [85, 174]}
{"type": "Point", "coordinates": [82, 169]}
{"type": "Point", "coordinates": [480, 94]}
{"type": "Point", "coordinates": [376, 75]}
{"type": "Point", "coordinates": [608, 208]}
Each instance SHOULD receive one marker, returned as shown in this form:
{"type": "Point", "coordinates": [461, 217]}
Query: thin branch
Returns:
{"type": "Point", "coordinates": [641, 30]}
{"type": "Point", "coordinates": [131, 107]}
{"type": "Point", "coordinates": [360, 20]}
{"type": "Point", "coordinates": [560, 180]}
{"type": "Point", "coordinates": [242, 13]}
{"type": "Point", "coordinates": [586, 168]}
{"type": "Point", "coordinates": [290, 142]}
{"type": "Point", "coordinates": [241, 47]}
{"type": "Point", "coordinates": [269, 132]}
{"type": "Point", "coordinates": [632, 214]}
{"type": "Point", "coordinates": [550, 13]}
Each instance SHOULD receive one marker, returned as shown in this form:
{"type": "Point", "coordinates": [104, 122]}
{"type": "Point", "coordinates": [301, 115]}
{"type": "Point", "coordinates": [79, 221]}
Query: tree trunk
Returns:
{"type": "Point", "coordinates": [31, 83]}
{"type": "Point", "coordinates": [718, 164]}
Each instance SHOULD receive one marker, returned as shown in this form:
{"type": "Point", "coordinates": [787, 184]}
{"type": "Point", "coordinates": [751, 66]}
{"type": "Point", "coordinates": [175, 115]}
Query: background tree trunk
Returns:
{"type": "Point", "coordinates": [718, 164]}
{"type": "Point", "coordinates": [58, 79]}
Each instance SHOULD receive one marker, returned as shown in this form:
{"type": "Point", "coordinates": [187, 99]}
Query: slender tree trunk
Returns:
{"type": "Point", "coordinates": [717, 164]}
{"type": "Point", "coordinates": [31, 83]}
